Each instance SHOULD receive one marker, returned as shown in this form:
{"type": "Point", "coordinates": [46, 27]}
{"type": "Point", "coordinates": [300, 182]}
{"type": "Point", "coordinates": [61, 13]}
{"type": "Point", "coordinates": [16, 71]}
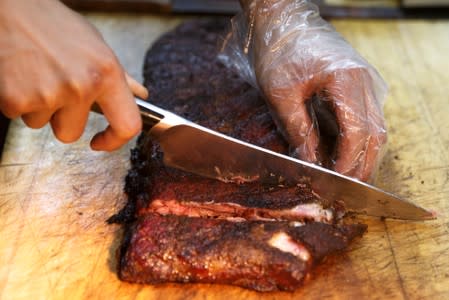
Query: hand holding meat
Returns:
{"type": "Point", "coordinates": [54, 65]}
{"type": "Point", "coordinates": [317, 86]}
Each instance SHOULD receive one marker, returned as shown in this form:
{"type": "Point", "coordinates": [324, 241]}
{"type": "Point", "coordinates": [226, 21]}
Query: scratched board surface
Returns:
{"type": "Point", "coordinates": [55, 198]}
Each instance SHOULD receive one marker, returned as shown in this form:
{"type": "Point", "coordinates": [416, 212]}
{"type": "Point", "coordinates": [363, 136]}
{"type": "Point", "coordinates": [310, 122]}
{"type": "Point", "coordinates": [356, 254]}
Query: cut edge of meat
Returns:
{"type": "Point", "coordinates": [235, 212]}
{"type": "Point", "coordinates": [138, 183]}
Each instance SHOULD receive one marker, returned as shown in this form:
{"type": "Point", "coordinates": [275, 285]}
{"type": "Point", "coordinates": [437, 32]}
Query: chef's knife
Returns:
{"type": "Point", "coordinates": [196, 149]}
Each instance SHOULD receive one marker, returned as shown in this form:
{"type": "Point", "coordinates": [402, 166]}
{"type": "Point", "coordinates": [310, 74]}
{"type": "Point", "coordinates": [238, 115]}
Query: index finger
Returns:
{"type": "Point", "coordinates": [120, 109]}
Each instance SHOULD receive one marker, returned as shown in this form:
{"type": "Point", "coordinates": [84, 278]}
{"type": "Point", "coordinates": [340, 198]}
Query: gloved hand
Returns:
{"type": "Point", "coordinates": [54, 65]}
{"type": "Point", "coordinates": [326, 99]}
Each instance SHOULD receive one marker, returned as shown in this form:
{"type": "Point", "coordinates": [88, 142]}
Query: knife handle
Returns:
{"type": "Point", "coordinates": [149, 117]}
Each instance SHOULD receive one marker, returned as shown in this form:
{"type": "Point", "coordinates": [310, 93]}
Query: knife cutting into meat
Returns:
{"type": "Point", "coordinates": [196, 149]}
{"type": "Point", "coordinates": [181, 227]}
{"type": "Point", "coordinates": [317, 72]}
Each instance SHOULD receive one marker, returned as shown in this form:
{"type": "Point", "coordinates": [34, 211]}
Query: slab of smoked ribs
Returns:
{"type": "Point", "coordinates": [184, 228]}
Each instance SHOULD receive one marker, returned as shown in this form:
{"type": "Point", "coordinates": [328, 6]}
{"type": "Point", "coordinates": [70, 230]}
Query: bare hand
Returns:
{"type": "Point", "coordinates": [54, 65]}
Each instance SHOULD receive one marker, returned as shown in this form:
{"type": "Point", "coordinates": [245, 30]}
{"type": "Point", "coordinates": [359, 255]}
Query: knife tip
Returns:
{"type": "Point", "coordinates": [425, 215]}
{"type": "Point", "coordinates": [432, 214]}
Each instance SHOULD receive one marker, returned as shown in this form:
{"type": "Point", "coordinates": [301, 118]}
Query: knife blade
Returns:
{"type": "Point", "coordinates": [196, 149]}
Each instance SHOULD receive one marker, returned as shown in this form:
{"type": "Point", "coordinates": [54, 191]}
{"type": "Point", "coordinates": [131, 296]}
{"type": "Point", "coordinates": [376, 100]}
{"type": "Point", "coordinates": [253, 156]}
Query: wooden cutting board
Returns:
{"type": "Point", "coordinates": [55, 198]}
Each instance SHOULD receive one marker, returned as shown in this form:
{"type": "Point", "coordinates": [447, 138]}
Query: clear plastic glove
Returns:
{"type": "Point", "coordinates": [326, 99]}
{"type": "Point", "coordinates": [54, 65]}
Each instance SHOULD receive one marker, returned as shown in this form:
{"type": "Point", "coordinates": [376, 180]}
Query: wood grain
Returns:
{"type": "Point", "coordinates": [55, 198]}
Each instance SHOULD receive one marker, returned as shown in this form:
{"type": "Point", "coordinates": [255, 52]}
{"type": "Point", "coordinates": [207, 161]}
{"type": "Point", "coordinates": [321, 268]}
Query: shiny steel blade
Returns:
{"type": "Point", "coordinates": [199, 150]}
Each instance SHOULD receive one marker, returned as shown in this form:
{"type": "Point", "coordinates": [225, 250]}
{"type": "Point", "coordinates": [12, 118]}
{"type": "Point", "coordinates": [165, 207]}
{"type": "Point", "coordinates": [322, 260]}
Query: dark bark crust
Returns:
{"type": "Point", "coordinates": [183, 75]}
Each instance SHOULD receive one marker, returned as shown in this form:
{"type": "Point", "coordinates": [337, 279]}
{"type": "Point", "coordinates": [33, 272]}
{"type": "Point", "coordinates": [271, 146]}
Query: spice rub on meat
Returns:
{"type": "Point", "coordinates": [182, 227]}
{"type": "Point", "coordinates": [264, 256]}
